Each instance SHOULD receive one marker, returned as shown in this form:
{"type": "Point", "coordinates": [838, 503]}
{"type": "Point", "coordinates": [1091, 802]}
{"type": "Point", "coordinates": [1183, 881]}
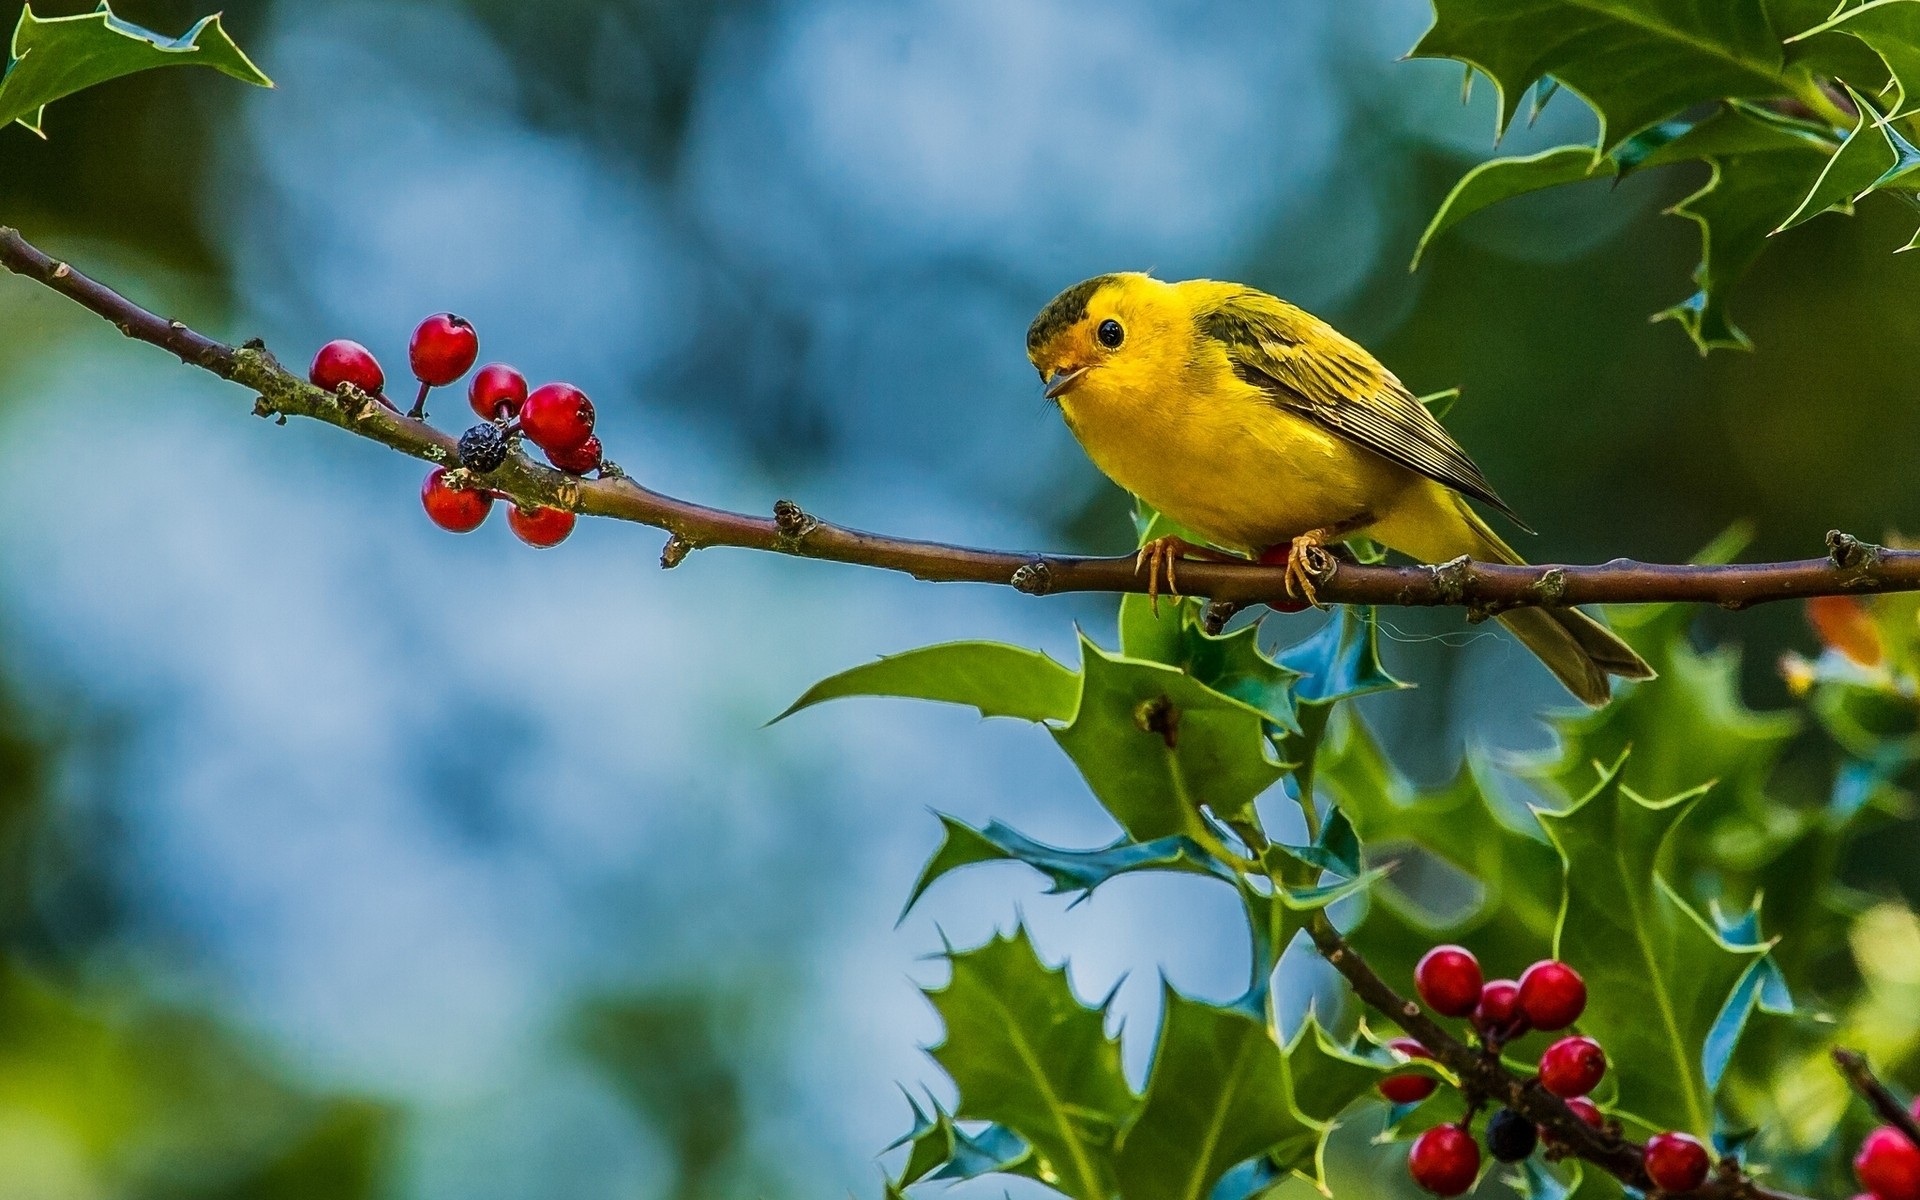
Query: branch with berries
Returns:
{"type": "Point", "coordinates": [1552, 1107]}
{"type": "Point", "coordinates": [345, 388]}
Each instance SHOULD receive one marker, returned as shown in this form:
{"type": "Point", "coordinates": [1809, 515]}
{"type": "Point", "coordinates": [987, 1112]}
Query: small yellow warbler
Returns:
{"type": "Point", "coordinates": [1258, 425]}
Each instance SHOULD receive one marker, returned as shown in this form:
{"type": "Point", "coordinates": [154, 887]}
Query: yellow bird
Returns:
{"type": "Point", "coordinates": [1258, 425]}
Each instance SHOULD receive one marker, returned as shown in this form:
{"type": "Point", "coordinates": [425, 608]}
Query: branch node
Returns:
{"type": "Point", "coordinates": [263, 408]}
{"type": "Point", "coordinates": [1849, 553]}
{"type": "Point", "coordinates": [435, 454]}
{"type": "Point", "coordinates": [611, 470]}
{"type": "Point", "coordinates": [1450, 580]}
{"type": "Point", "coordinates": [61, 270]}
{"type": "Point", "coordinates": [1034, 578]}
{"type": "Point", "coordinates": [795, 523]}
{"type": "Point", "coordinates": [675, 552]}
{"type": "Point", "coordinates": [1551, 588]}
{"type": "Point", "coordinates": [253, 343]}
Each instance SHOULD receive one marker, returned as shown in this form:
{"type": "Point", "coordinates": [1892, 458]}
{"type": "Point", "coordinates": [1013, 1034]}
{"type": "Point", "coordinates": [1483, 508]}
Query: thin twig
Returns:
{"type": "Point", "coordinates": [1851, 567]}
{"type": "Point", "coordinates": [1853, 1065]}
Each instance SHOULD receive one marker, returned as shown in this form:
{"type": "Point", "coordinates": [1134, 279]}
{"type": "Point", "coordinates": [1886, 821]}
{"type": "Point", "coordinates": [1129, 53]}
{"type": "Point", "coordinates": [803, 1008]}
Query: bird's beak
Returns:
{"type": "Point", "coordinates": [1059, 382]}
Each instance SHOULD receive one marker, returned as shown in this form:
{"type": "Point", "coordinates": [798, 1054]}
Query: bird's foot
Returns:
{"type": "Point", "coordinates": [1307, 561]}
{"type": "Point", "coordinates": [1160, 554]}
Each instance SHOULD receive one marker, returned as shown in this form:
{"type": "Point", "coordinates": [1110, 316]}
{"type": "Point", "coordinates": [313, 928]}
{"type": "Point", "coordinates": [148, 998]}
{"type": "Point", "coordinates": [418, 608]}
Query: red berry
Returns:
{"type": "Point", "coordinates": [1448, 979]}
{"type": "Point", "coordinates": [1677, 1162]}
{"type": "Point", "coordinates": [1408, 1089]}
{"type": "Point", "coordinates": [443, 349]}
{"type": "Point", "coordinates": [558, 416]}
{"type": "Point", "coordinates": [542, 527]}
{"type": "Point", "coordinates": [1582, 1108]}
{"type": "Point", "coordinates": [1445, 1160]}
{"type": "Point", "coordinates": [1574, 1066]}
{"type": "Point", "coordinates": [579, 460]}
{"type": "Point", "coordinates": [1587, 1111]}
{"type": "Point", "coordinates": [1888, 1165]}
{"type": "Point", "coordinates": [1552, 995]}
{"type": "Point", "coordinates": [497, 391]}
{"type": "Point", "coordinates": [342, 361]}
{"type": "Point", "coordinates": [1498, 1014]}
{"type": "Point", "coordinates": [456, 511]}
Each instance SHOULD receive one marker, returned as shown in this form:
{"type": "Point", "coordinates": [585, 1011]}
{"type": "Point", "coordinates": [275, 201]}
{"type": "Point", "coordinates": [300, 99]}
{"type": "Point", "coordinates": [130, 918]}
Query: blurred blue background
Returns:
{"type": "Point", "coordinates": [347, 858]}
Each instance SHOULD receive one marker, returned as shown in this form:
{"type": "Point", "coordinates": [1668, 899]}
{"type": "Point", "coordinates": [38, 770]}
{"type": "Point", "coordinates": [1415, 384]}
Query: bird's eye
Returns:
{"type": "Point", "coordinates": [1110, 334]}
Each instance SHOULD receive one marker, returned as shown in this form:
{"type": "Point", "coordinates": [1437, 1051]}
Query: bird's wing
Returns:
{"type": "Point", "coordinates": [1310, 368]}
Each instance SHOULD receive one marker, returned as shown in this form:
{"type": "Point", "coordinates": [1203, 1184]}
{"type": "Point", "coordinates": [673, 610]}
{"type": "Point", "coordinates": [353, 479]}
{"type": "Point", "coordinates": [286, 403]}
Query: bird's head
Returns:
{"type": "Point", "coordinates": [1107, 334]}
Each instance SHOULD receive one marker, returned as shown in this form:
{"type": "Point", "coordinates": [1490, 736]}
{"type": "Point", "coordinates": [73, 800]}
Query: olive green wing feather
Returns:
{"type": "Point", "coordinates": [1310, 368]}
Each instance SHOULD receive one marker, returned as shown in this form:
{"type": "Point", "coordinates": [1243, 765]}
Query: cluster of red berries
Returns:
{"type": "Point", "coordinates": [1548, 996]}
{"type": "Point", "coordinates": [557, 417]}
{"type": "Point", "coordinates": [1888, 1164]}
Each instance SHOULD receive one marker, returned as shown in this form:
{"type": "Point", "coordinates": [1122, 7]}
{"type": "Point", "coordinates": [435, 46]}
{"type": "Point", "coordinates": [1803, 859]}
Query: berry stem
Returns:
{"type": "Point", "coordinates": [1886, 1106]}
{"type": "Point", "coordinates": [419, 409]}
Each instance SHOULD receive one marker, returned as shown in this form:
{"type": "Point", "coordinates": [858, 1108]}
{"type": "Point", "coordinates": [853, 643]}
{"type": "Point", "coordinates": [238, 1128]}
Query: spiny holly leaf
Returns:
{"type": "Point", "coordinates": [1873, 156]}
{"type": "Point", "coordinates": [1230, 663]}
{"type": "Point", "coordinates": [1634, 61]}
{"type": "Point", "coordinates": [1026, 1054]}
{"type": "Point", "coordinates": [1278, 915]}
{"type": "Point", "coordinates": [1687, 728]}
{"type": "Point", "coordinates": [1155, 744]}
{"type": "Point", "coordinates": [1762, 168]}
{"type": "Point", "coordinates": [1504, 852]}
{"type": "Point", "coordinates": [1763, 988]}
{"type": "Point", "coordinates": [1339, 661]}
{"type": "Point", "coordinates": [999, 680]}
{"type": "Point", "coordinates": [1504, 178]}
{"type": "Point", "coordinates": [1217, 1095]}
{"type": "Point", "coordinates": [1069, 870]}
{"type": "Point", "coordinates": [1337, 849]}
{"type": "Point", "coordinates": [1659, 973]}
{"type": "Point", "coordinates": [1892, 29]}
{"type": "Point", "coordinates": [1327, 1076]}
{"type": "Point", "coordinates": [55, 57]}
{"type": "Point", "coordinates": [944, 1151]}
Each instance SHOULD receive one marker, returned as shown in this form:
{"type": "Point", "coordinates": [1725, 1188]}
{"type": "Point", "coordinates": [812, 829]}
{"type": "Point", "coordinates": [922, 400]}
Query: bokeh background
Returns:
{"type": "Point", "coordinates": [342, 858]}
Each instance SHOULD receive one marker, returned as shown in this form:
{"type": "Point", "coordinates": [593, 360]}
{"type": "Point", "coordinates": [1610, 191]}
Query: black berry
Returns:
{"type": "Point", "coordinates": [1510, 1136]}
{"type": "Point", "coordinates": [483, 448]}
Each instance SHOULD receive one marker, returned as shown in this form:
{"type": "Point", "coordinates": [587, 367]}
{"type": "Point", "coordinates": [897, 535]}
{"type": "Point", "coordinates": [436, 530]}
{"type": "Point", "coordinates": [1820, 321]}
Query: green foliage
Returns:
{"type": "Point", "coordinates": [1664, 971]}
{"type": "Point", "coordinates": [999, 680]}
{"type": "Point", "coordinates": [1027, 1054]}
{"type": "Point", "coordinates": [54, 57]}
{"type": "Point", "coordinates": [1798, 129]}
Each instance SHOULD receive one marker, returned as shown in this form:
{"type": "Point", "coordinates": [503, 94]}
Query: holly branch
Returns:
{"type": "Point", "coordinates": [1850, 566]}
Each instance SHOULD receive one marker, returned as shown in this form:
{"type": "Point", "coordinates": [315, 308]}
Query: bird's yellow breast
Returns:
{"type": "Point", "coordinates": [1219, 456]}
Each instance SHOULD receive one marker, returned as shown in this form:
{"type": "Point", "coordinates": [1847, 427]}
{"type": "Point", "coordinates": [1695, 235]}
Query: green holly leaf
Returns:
{"type": "Point", "coordinates": [1337, 849]}
{"type": "Point", "coordinates": [944, 1151]}
{"type": "Point", "coordinates": [1328, 1077]}
{"type": "Point", "coordinates": [1155, 744]}
{"type": "Point", "coordinates": [1762, 169]}
{"type": "Point", "coordinates": [1340, 661]}
{"type": "Point", "coordinates": [1501, 848]}
{"type": "Point", "coordinates": [54, 57]}
{"type": "Point", "coordinates": [1218, 1094]}
{"type": "Point", "coordinates": [1659, 973]}
{"type": "Point", "coordinates": [1026, 1054]}
{"type": "Point", "coordinates": [1763, 988]}
{"type": "Point", "coordinates": [1276, 916]}
{"type": "Point", "coordinates": [1635, 61]}
{"type": "Point", "coordinates": [1069, 871]}
{"type": "Point", "coordinates": [1873, 156]}
{"type": "Point", "coordinates": [1892, 29]}
{"type": "Point", "coordinates": [999, 680]}
{"type": "Point", "coordinates": [1504, 178]}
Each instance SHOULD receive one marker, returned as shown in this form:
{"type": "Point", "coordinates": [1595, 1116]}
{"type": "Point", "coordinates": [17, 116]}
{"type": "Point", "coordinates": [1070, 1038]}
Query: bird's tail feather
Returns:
{"type": "Point", "coordinates": [1579, 649]}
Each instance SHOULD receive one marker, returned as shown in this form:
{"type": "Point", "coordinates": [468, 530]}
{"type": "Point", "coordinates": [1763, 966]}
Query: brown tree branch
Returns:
{"type": "Point", "coordinates": [1853, 1065]}
{"type": "Point", "coordinates": [1851, 567]}
{"type": "Point", "coordinates": [1484, 1075]}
